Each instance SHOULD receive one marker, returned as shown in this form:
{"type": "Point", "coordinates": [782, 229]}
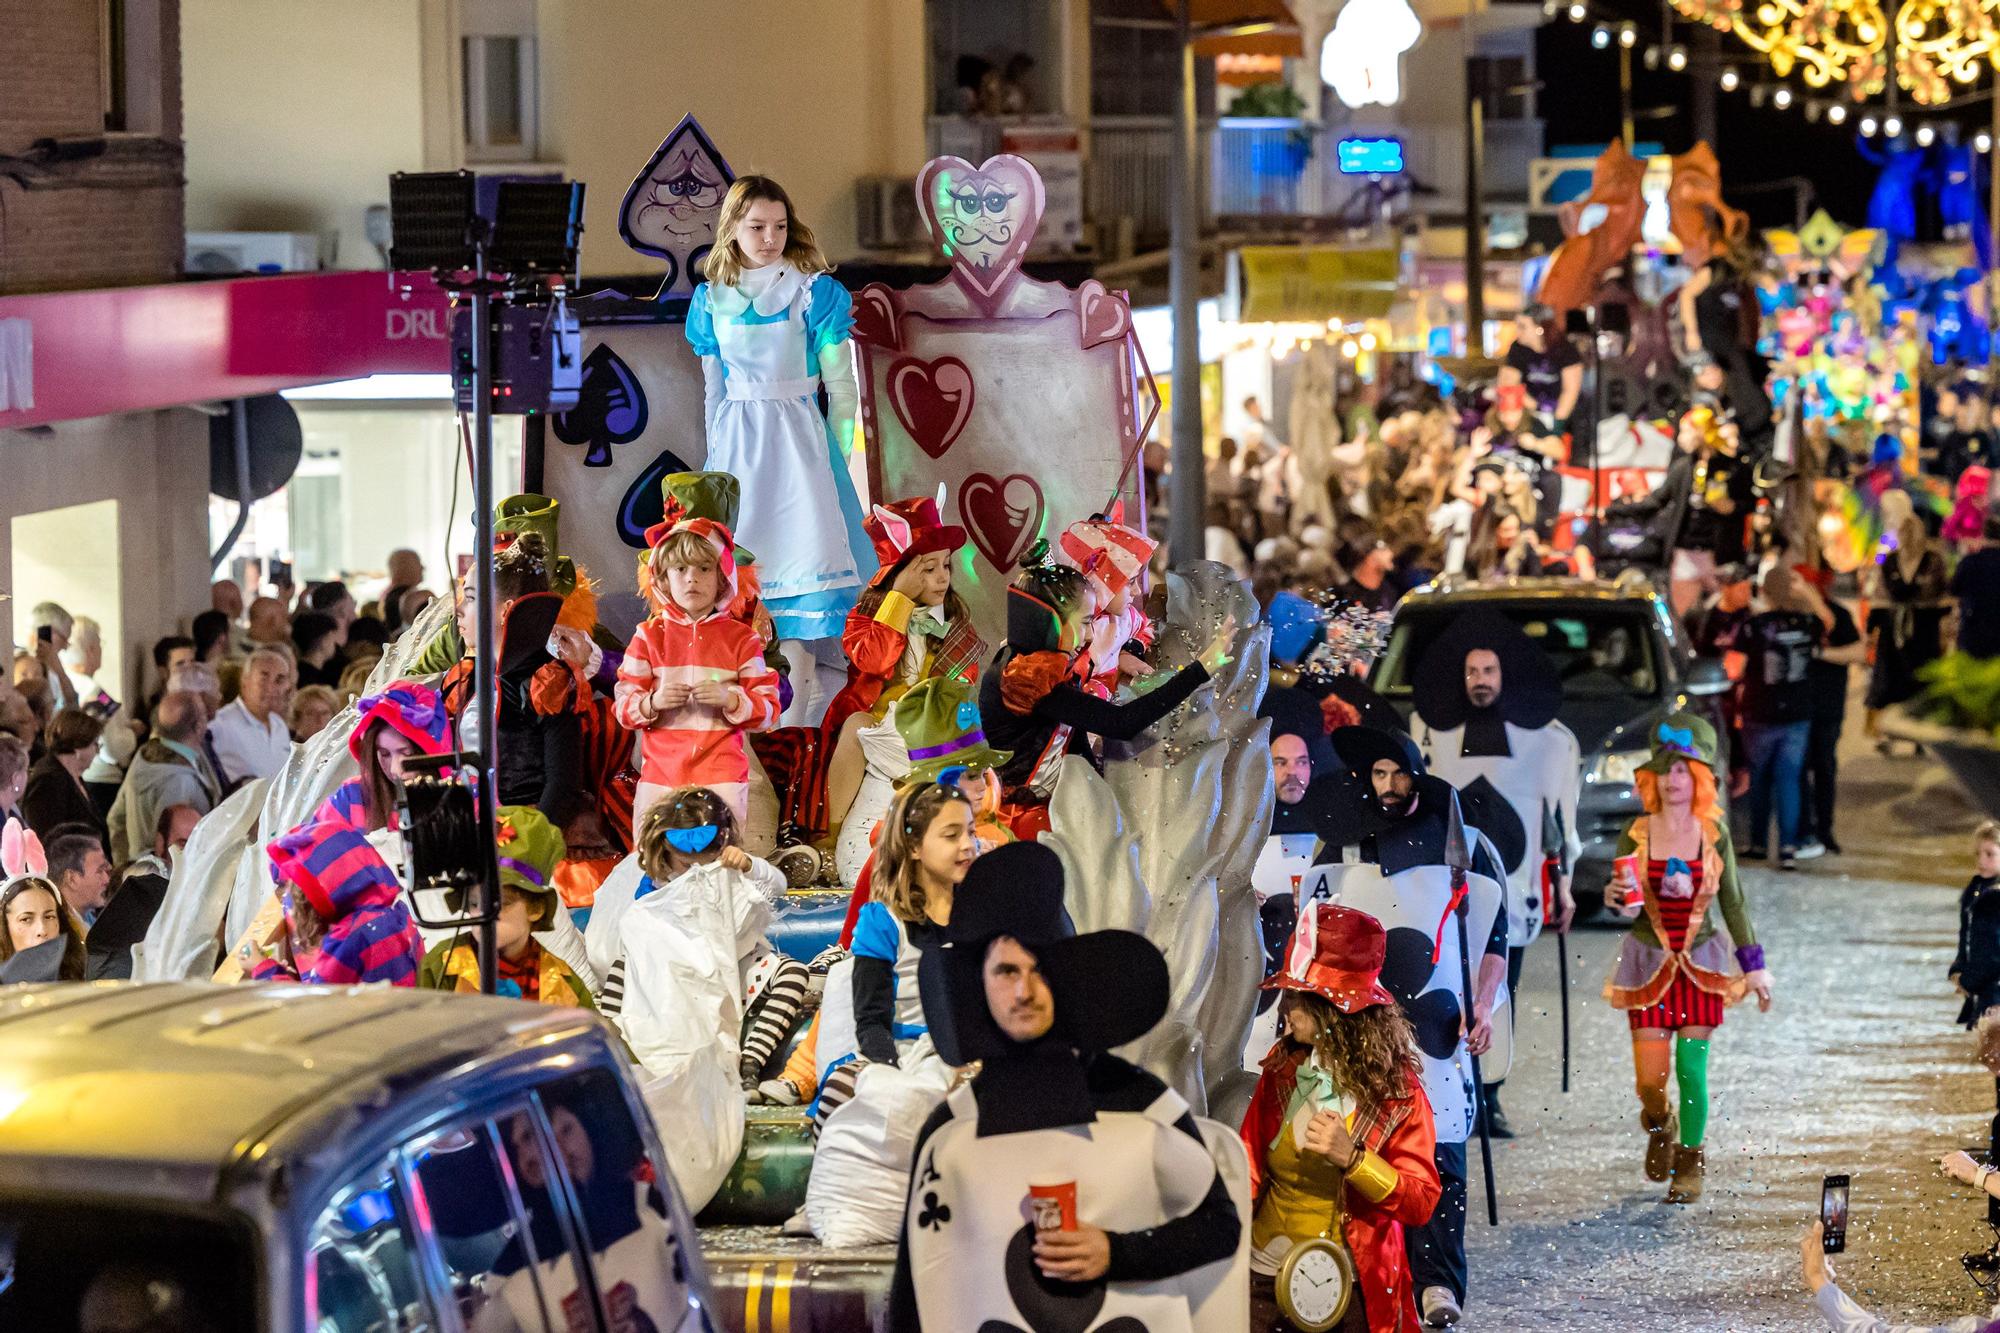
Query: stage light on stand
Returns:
{"type": "Point", "coordinates": [1836, 114]}
{"type": "Point", "coordinates": [1628, 36]}
{"type": "Point", "coordinates": [1730, 79]}
{"type": "Point", "coordinates": [1600, 37]}
{"type": "Point", "coordinates": [1782, 98]}
{"type": "Point", "coordinates": [1677, 58]}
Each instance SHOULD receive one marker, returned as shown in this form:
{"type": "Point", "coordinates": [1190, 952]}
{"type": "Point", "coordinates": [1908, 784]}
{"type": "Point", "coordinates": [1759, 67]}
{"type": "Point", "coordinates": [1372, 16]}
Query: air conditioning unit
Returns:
{"type": "Point", "coordinates": [213, 252]}
{"type": "Point", "coordinates": [886, 214]}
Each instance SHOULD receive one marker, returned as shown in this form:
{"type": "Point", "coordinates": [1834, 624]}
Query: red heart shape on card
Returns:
{"type": "Point", "coordinates": [933, 400]}
{"type": "Point", "coordinates": [983, 218]}
{"type": "Point", "coordinates": [1003, 514]}
{"type": "Point", "coordinates": [875, 317]}
{"type": "Point", "coordinates": [1102, 317]}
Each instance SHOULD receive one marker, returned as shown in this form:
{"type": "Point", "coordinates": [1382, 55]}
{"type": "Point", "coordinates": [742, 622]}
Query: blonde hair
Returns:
{"type": "Point", "coordinates": [1987, 833]}
{"type": "Point", "coordinates": [908, 818]}
{"type": "Point", "coordinates": [724, 265]}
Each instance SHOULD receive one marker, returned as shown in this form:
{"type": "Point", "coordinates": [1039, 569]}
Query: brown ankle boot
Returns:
{"type": "Point", "coordinates": [1688, 1171]}
{"type": "Point", "coordinates": [1662, 1128]}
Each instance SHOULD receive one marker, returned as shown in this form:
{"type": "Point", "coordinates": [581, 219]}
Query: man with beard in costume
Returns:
{"type": "Point", "coordinates": [1060, 1187]}
{"type": "Point", "coordinates": [1401, 857]}
{"type": "Point", "coordinates": [1486, 698]}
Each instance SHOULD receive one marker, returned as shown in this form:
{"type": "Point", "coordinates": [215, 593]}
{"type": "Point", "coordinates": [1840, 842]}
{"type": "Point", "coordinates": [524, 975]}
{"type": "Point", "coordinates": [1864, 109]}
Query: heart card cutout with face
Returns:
{"type": "Point", "coordinates": [983, 218]}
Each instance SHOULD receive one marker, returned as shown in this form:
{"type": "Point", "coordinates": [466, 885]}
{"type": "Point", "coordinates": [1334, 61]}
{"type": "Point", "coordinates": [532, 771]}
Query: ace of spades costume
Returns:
{"type": "Point", "coordinates": [1170, 1192]}
{"type": "Point", "coordinates": [1398, 870]}
{"type": "Point", "coordinates": [1512, 751]}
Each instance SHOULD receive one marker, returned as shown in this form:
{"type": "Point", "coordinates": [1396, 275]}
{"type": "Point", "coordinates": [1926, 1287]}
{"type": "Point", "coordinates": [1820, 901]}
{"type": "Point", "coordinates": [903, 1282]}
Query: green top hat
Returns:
{"type": "Point", "coordinates": [518, 514]}
{"type": "Point", "coordinates": [711, 495]}
{"type": "Point", "coordinates": [1681, 736]}
{"type": "Point", "coordinates": [529, 847]}
{"type": "Point", "coordinates": [939, 722]}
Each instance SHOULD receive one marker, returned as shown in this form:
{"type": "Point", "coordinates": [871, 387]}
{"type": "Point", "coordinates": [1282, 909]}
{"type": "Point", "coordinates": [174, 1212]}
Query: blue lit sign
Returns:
{"type": "Point", "coordinates": [1371, 157]}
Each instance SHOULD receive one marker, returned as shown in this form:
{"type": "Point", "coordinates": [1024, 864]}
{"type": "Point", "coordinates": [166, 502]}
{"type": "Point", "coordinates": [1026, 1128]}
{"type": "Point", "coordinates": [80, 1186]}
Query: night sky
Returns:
{"type": "Point", "coordinates": [1579, 101]}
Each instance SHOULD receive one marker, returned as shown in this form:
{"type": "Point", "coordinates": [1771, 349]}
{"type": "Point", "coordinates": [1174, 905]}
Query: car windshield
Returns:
{"type": "Point", "coordinates": [190, 1273]}
{"type": "Point", "coordinates": [1602, 652]}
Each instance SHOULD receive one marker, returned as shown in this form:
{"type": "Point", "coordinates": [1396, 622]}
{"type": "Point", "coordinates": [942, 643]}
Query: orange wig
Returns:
{"type": "Point", "coordinates": [1647, 783]}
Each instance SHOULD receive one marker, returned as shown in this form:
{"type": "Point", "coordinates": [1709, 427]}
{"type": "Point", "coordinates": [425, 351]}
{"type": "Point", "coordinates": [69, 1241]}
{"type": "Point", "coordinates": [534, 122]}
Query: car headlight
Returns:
{"type": "Point", "coordinates": [1616, 766]}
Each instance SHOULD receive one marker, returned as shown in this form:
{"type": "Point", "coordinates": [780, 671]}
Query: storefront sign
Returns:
{"type": "Point", "coordinates": [1371, 157]}
{"type": "Point", "coordinates": [1313, 283]}
{"type": "Point", "coordinates": [130, 349]}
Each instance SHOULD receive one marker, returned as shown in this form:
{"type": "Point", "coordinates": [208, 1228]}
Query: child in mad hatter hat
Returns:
{"type": "Point", "coordinates": [529, 848]}
{"type": "Point", "coordinates": [1677, 970]}
{"type": "Point", "coordinates": [909, 626]}
{"type": "Point", "coordinates": [1111, 557]}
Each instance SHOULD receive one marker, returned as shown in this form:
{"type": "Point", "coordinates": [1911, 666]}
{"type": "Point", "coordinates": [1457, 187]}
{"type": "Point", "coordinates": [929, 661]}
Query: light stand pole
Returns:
{"type": "Point", "coordinates": [485, 663]}
{"type": "Point", "coordinates": [1475, 202]}
{"type": "Point", "coordinates": [1189, 500]}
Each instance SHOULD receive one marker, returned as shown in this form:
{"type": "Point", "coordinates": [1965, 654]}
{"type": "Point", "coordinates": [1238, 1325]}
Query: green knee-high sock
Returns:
{"type": "Point", "coordinates": [1691, 1068]}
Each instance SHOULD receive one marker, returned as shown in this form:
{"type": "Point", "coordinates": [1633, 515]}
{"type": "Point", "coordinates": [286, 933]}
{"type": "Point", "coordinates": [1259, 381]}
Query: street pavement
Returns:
{"type": "Point", "coordinates": [1858, 1068]}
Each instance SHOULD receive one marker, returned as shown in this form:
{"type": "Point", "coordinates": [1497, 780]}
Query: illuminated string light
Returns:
{"type": "Point", "coordinates": [1628, 36]}
{"type": "Point", "coordinates": [1982, 142]}
{"type": "Point", "coordinates": [1925, 134]}
{"type": "Point", "coordinates": [1730, 79]}
{"type": "Point", "coordinates": [1677, 58]}
{"type": "Point", "coordinates": [1893, 126]}
{"type": "Point", "coordinates": [1782, 98]}
{"type": "Point", "coordinates": [1868, 127]}
{"type": "Point", "coordinates": [1600, 37]}
{"type": "Point", "coordinates": [1836, 114]}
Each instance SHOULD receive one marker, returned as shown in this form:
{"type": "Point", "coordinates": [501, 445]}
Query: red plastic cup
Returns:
{"type": "Point", "coordinates": [1052, 1204]}
{"type": "Point", "coordinates": [1631, 877]}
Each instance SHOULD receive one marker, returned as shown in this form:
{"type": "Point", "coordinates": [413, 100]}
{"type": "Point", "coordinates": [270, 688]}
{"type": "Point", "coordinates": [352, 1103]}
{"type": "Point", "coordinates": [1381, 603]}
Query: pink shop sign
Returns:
{"type": "Point", "coordinates": [129, 349]}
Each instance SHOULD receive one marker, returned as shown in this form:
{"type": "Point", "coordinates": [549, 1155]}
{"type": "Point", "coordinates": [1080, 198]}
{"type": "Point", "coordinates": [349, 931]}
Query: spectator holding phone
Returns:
{"type": "Point", "coordinates": [1842, 1315]}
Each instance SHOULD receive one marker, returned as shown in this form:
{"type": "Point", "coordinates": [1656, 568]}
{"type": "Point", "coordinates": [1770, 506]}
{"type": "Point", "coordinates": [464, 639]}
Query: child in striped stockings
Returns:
{"type": "Point", "coordinates": [694, 831]}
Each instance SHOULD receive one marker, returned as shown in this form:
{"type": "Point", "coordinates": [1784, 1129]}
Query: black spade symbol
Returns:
{"type": "Point", "coordinates": [1407, 968]}
{"type": "Point", "coordinates": [1435, 1018]}
{"type": "Point", "coordinates": [1487, 810]}
{"type": "Point", "coordinates": [610, 407]}
{"type": "Point", "coordinates": [643, 505]}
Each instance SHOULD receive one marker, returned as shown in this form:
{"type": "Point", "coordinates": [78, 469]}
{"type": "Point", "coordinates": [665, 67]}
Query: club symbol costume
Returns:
{"type": "Point", "coordinates": [1055, 1112]}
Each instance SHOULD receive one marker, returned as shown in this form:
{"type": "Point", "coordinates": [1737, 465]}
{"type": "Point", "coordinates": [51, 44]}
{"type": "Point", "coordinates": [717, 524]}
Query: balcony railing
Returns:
{"type": "Point", "coordinates": [1261, 168]}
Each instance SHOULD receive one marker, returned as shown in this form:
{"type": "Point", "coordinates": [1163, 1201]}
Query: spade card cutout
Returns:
{"type": "Point", "coordinates": [671, 207]}
{"type": "Point", "coordinates": [610, 408]}
{"type": "Point", "coordinates": [644, 505]}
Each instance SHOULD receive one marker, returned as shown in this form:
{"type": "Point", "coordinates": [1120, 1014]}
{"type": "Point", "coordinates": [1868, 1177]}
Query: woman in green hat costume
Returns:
{"type": "Point", "coordinates": [1691, 951]}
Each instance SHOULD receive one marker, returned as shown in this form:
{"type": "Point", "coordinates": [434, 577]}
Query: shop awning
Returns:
{"type": "Point", "coordinates": [1311, 284]}
{"type": "Point", "coordinates": [70, 355]}
{"type": "Point", "coordinates": [1241, 27]}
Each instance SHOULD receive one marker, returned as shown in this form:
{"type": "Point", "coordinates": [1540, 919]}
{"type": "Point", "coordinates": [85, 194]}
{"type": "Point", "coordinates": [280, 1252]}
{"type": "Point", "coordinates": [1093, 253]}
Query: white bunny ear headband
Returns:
{"type": "Point", "coordinates": [21, 852]}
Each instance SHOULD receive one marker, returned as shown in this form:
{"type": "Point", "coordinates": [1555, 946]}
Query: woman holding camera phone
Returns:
{"type": "Point", "coordinates": [1674, 975]}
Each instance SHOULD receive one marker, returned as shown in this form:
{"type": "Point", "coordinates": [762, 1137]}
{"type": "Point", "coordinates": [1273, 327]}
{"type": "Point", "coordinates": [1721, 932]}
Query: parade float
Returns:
{"type": "Point", "coordinates": [960, 381]}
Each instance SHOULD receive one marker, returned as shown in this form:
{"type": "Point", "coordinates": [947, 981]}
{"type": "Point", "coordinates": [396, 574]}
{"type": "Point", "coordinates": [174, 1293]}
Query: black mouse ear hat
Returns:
{"type": "Point", "coordinates": [1530, 686]}
{"type": "Point", "coordinates": [1293, 712]}
{"type": "Point", "coordinates": [1109, 986]}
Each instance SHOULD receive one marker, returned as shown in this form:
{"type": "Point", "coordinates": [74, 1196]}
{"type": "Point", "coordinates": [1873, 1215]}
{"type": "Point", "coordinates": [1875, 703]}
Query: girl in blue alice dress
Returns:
{"type": "Point", "coordinates": [771, 325]}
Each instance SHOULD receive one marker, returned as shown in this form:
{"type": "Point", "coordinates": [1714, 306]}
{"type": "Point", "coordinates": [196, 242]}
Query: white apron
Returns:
{"type": "Point", "coordinates": [970, 1243]}
{"type": "Point", "coordinates": [768, 433]}
{"type": "Point", "coordinates": [1543, 768]}
{"type": "Point", "coordinates": [1411, 907]}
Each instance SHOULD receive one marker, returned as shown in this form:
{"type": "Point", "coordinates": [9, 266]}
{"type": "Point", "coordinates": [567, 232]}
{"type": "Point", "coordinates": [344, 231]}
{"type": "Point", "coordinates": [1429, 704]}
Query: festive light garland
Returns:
{"type": "Point", "coordinates": [1940, 42]}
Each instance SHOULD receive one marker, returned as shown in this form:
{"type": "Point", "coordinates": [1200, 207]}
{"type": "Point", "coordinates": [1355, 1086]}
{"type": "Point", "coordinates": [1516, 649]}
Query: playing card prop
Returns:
{"type": "Point", "coordinates": [1028, 400]}
{"type": "Point", "coordinates": [639, 413]}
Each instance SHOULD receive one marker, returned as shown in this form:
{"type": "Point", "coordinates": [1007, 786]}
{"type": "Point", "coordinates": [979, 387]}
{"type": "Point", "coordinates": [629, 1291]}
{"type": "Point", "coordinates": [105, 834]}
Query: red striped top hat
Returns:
{"type": "Point", "coordinates": [1337, 954]}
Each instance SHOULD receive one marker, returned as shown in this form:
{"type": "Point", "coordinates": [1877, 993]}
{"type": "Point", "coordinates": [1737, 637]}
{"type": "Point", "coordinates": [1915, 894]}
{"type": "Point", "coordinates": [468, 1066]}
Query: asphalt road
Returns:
{"type": "Point", "coordinates": [1857, 1068]}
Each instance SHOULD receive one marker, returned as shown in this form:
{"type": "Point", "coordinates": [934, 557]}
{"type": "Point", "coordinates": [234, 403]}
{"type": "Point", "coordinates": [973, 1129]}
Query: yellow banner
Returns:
{"type": "Point", "coordinates": [1315, 283]}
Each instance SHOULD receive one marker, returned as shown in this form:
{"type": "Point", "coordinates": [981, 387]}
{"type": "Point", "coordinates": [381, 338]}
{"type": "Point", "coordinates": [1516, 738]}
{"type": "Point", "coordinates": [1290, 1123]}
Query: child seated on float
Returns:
{"type": "Point", "coordinates": [909, 626]}
{"type": "Point", "coordinates": [693, 833]}
{"type": "Point", "coordinates": [938, 728]}
{"type": "Point", "coordinates": [1111, 556]}
{"type": "Point", "coordinates": [529, 847]}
